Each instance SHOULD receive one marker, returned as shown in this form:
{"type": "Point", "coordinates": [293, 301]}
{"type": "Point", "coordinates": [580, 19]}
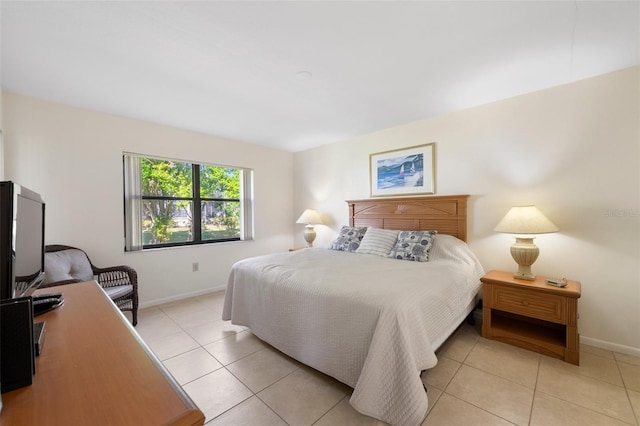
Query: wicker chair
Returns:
{"type": "Point", "coordinates": [67, 265]}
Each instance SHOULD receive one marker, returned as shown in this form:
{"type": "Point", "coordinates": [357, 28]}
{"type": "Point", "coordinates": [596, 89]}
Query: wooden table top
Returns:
{"type": "Point", "coordinates": [95, 369]}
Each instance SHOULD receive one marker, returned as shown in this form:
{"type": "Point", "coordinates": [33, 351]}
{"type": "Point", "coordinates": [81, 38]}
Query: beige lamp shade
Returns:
{"type": "Point", "coordinates": [309, 217]}
{"type": "Point", "coordinates": [525, 220]}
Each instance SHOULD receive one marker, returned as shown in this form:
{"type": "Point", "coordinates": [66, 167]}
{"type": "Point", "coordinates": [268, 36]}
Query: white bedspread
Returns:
{"type": "Point", "coordinates": [372, 323]}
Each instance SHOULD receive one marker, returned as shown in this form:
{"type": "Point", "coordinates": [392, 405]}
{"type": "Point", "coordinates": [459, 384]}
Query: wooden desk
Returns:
{"type": "Point", "coordinates": [95, 370]}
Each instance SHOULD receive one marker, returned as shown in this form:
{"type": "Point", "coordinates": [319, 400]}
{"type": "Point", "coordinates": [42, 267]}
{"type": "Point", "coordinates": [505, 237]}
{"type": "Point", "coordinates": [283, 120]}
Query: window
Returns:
{"type": "Point", "coordinates": [175, 203]}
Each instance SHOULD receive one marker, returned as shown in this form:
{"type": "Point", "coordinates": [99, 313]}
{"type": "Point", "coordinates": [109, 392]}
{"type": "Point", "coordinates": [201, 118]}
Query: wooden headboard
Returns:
{"type": "Point", "coordinates": [446, 214]}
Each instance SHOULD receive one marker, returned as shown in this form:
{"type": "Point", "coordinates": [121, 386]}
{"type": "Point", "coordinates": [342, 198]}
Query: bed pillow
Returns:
{"type": "Point", "coordinates": [349, 238]}
{"type": "Point", "coordinates": [378, 241]}
{"type": "Point", "coordinates": [448, 247]}
{"type": "Point", "coordinates": [413, 245]}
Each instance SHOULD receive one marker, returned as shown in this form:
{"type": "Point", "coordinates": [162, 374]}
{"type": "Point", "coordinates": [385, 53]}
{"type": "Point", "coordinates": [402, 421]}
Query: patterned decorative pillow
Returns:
{"type": "Point", "coordinates": [378, 241]}
{"type": "Point", "coordinates": [413, 245]}
{"type": "Point", "coordinates": [349, 238]}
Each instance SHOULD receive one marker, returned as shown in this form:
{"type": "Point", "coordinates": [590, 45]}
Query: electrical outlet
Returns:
{"type": "Point", "coordinates": [195, 266]}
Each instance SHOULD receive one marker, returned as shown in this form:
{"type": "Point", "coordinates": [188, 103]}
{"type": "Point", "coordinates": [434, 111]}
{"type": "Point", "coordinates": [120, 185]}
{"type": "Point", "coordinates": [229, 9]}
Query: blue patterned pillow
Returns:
{"type": "Point", "coordinates": [413, 245]}
{"type": "Point", "coordinates": [349, 238]}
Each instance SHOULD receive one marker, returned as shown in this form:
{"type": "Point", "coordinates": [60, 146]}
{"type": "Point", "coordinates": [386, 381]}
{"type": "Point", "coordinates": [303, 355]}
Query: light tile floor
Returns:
{"type": "Point", "coordinates": [236, 379]}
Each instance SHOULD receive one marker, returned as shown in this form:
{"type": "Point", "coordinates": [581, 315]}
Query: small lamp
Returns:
{"type": "Point", "coordinates": [523, 221]}
{"type": "Point", "coordinates": [309, 218]}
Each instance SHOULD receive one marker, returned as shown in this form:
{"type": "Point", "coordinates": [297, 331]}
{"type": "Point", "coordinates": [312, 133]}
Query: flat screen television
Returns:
{"type": "Point", "coordinates": [21, 240]}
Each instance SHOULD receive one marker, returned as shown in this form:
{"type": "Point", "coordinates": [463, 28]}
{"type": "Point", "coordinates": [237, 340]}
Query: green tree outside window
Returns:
{"type": "Point", "coordinates": [171, 193]}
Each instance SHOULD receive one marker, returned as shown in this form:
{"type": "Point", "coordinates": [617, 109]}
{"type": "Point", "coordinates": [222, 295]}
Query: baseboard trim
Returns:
{"type": "Point", "coordinates": [628, 350]}
{"type": "Point", "coordinates": [182, 296]}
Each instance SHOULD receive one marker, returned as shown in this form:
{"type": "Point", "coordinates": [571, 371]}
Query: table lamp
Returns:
{"type": "Point", "coordinates": [525, 221]}
{"type": "Point", "coordinates": [309, 217]}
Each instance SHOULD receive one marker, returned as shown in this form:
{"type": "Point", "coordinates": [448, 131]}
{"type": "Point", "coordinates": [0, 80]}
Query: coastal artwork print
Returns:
{"type": "Point", "coordinates": [406, 171]}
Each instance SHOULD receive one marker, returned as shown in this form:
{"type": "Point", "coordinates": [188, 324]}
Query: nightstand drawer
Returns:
{"type": "Point", "coordinates": [532, 304]}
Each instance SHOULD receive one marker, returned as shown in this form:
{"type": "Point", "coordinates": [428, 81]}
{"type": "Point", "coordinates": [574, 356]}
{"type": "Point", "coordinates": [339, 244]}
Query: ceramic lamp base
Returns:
{"type": "Point", "coordinates": [525, 253]}
{"type": "Point", "coordinates": [309, 235]}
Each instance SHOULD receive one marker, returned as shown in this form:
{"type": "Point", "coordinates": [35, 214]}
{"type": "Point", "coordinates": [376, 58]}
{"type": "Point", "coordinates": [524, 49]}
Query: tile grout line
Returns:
{"type": "Point", "coordinates": [626, 389]}
{"type": "Point", "coordinates": [229, 371]}
{"type": "Point", "coordinates": [330, 408]}
{"type": "Point", "coordinates": [223, 366]}
{"type": "Point", "coordinates": [535, 389]}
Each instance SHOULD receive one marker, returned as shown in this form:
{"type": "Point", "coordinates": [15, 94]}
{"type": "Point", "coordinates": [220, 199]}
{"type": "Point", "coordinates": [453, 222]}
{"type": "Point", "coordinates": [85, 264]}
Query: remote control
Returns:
{"type": "Point", "coordinates": [556, 282]}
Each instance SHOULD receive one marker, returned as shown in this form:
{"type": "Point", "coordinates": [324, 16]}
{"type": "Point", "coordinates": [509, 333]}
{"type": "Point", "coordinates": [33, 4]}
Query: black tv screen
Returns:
{"type": "Point", "coordinates": [21, 240]}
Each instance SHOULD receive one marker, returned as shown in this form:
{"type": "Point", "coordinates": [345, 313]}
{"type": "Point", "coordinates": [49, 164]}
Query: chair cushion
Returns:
{"type": "Point", "coordinates": [118, 291]}
{"type": "Point", "coordinates": [64, 265]}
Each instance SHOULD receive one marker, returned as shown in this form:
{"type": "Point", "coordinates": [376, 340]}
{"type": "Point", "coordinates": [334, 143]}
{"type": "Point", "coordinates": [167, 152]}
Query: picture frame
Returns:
{"type": "Point", "coordinates": [404, 171]}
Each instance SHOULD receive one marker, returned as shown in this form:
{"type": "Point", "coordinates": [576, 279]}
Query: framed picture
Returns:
{"type": "Point", "coordinates": [406, 171]}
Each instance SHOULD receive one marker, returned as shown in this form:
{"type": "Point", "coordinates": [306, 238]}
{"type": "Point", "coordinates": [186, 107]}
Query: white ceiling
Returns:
{"type": "Point", "coordinates": [236, 69]}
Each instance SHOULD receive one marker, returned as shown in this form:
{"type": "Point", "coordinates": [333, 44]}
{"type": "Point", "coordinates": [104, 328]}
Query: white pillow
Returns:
{"type": "Point", "coordinates": [448, 247]}
{"type": "Point", "coordinates": [378, 241]}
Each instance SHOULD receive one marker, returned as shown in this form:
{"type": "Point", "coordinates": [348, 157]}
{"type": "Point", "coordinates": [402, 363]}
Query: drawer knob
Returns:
{"type": "Point", "coordinates": [525, 303]}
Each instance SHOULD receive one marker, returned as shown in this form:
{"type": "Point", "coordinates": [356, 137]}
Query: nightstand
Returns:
{"type": "Point", "coordinates": [532, 314]}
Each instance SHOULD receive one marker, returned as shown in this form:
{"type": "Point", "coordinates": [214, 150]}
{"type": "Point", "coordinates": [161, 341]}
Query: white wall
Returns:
{"type": "Point", "coordinates": [73, 157]}
{"type": "Point", "coordinates": [572, 150]}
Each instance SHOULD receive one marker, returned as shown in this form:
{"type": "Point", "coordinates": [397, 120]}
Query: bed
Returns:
{"type": "Point", "coordinates": [369, 321]}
